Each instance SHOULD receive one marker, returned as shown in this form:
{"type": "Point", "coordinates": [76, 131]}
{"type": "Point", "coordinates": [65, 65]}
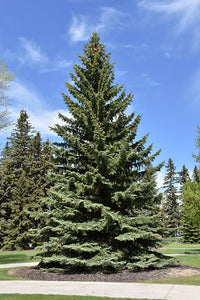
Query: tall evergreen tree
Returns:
{"type": "Point", "coordinates": [6, 187]}
{"type": "Point", "coordinates": [100, 214]}
{"type": "Point", "coordinates": [23, 183]}
{"type": "Point", "coordinates": [38, 177]}
{"type": "Point", "coordinates": [171, 204]}
{"type": "Point", "coordinates": [183, 175]}
{"type": "Point", "coordinates": [196, 175]}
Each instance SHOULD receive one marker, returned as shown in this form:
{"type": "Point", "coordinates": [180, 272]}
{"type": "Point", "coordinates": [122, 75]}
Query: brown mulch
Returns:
{"type": "Point", "coordinates": [124, 276]}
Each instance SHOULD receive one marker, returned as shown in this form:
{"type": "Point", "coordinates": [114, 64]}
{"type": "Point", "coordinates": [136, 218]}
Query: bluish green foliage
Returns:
{"type": "Point", "coordinates": [101, 210]}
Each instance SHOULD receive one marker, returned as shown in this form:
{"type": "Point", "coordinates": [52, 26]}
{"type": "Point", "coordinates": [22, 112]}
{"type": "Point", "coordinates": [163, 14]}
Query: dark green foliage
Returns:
{"type": "Point", "coordinates": [23, 183]}
{"type": "Point", "coordinates": [171, 207]}
{"type": "Point", "coordinates": [183, 175]}
{"type": "Point", "coordinates": [196, 175]}
{"type": "Point", "coordinates": [191, 232]}
{"type": "Point", "coordinates": [101, 210]}
{"type": "Point", "coordinates": [5, 192]}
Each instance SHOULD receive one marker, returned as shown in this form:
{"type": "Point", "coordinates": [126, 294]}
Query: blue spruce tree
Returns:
{"type": "Point", "coordinates": [100, 214]}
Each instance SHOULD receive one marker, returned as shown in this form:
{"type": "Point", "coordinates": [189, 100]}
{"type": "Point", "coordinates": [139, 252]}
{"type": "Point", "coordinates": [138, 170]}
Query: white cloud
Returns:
{"type": "Point", "coordinates": [32, 52]}
{"type": "Point", "coordinates": [149, 81]}
{"type": "Point", "coordinates": [43, 119]}
{"type": "Point", "coordinates": [29, 99]}
{"type": "Point", "coordinates": [29, 53]}
{"type": "Point", "coordinates": [81, 26]}
{"type": "Point", "coordinates": [79, 29]}
{"type": "Point", "coordinates": [23, 96]}
{"type": "Point", "coordinates": [40, 119]}
{"type": "Point", "coordinates": [186, 13]}
{"type": "Point", "coordinates": [110, 17]}
{"type": "Point", "coordinates": [119, 73]}
{"type": "Point", "coordinates": [160, 179]}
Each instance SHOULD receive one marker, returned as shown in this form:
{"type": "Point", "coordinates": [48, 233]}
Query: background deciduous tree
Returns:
{"type": "Point", "coordinates": [191, 212]}
{"type": "Point", "coordinates": [5, 79]}
{"type": "Point", "coordinates": [191, 201]}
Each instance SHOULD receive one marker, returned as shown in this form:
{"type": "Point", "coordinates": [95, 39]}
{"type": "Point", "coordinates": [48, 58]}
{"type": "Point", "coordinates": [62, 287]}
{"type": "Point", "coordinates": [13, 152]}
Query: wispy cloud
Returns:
{"type": "Point", "coordinates": [149, 81]}
{"type": "Point", "coordinates": [43, 119]}
{"type": "Point", "coordinates": [194, 89]}
{"type": "Point", "coordinates": [33, 102]}
{"type": "Point", "coordinates": [110, 17]}
{"type": "Point", "coordinates": [186, 13]}
{"type": "Point", "coordinates": [79, 29]}
{"type": "Point", "coordinates": [30, 54]}
{"type": "Point", "coordinates": [82, 26]}
{"type": "Point", "coordinates": [23, 96]}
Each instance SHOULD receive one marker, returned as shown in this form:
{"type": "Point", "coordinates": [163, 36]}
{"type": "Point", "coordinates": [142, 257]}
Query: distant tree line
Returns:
{"type": "Point", "coordinates": [181, 202]}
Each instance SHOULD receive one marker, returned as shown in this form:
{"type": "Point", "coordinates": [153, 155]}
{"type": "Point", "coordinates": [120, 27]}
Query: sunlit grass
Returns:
{"type": "Point", "coordinates": [180, 251]}
{"type": "Point", "coordinates": [9, 257]}
{"type": "Point", "coordinates": [189, 260]}
{"type": "Point", "coordinates": [175, 245]}
{"type": "Point", "coordinates": [5, 276]}
{"type": "Point", "coordinates": [187, 280]}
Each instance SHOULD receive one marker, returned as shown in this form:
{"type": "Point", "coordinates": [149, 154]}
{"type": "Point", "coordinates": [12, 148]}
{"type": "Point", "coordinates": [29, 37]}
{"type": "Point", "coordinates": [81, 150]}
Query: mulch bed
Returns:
{"type": "Point", "coordinates": [124, 276]}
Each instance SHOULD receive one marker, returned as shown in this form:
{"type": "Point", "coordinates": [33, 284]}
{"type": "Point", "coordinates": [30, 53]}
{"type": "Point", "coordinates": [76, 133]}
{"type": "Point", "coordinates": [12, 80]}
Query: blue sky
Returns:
{"type": "Point", "coordinates": [155, 45]}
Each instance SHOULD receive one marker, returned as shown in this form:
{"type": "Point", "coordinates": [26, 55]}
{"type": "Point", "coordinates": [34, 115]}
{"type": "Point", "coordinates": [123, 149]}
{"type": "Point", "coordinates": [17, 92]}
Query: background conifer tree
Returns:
{"type": "Point", "coordinates": [196, 175]}
{"type": "Point", "coordinates": [23, 183]}
{"type": "Point", "coordinates": [100, 211]}
{"type": "Point", "coordinates": [171, 205]}
{"type": "Point", "coordinates": [6, 187]}
{"type": "Point", "coordinates": [183, 175]}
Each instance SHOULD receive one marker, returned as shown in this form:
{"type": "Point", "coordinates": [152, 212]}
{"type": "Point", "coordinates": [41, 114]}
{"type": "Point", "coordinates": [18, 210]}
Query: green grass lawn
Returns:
{"type": "Point", "coordinates": [174, 248]}
{"type": "Point", "coordinates": [5, 276]}
{"type": "Point", "coordinates": [57, 297]}
{"type": "Point", "coordinates": [180, 251]}
{"type": "Point", "coordinates": [188, 260]}
{"type": "Point", "coordinates": [181, 246]}
{"type": "Point", "coordinates": [9, 257]}
{"type": "Point", "coordinates": [186, 280]}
